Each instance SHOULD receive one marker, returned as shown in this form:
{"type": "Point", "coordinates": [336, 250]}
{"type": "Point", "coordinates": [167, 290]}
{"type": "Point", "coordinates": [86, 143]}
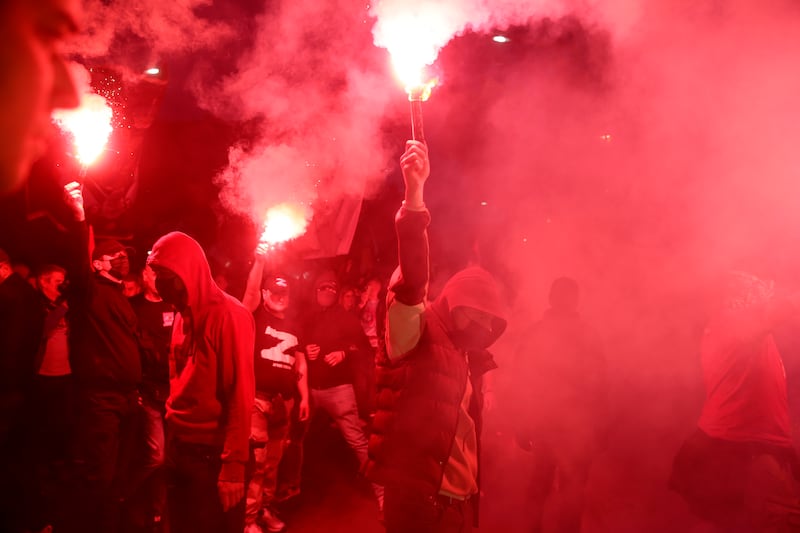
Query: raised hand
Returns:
{"type": "Point", "coordinates": [74, 198]}
{"type": "Point", "coordinates": [416, 168]}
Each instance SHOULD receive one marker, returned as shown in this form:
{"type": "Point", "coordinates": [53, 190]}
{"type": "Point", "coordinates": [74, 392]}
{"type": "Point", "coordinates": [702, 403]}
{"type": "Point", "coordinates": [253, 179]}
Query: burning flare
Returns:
{"type": "Point", "coordinates": [283, 223]}
{"type": "Point", "coordinates": [89, 125]}
{"type": "Point", "coordinates": [413, 35]}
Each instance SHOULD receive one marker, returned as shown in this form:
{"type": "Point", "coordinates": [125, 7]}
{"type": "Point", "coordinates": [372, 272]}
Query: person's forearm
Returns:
{"type": "Point", "coordinates": [78, 263]}
{"type": "Point", "coordinates": [238, 374]}
{"type": "Point", "coordinates": [414, 198]}
{"type": "Point", "coordinates": [252, 294]}
{"type": "Point", "coordinates": [412, 251]}
{"type": "Point", "coordinates": [301, 367]}
{"type": "Point", "coordinates": [302, 387]}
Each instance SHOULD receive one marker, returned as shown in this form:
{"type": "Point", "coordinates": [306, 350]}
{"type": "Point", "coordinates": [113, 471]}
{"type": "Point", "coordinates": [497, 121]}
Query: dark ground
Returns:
{"type": "Point", "coordinates": [622, 496]}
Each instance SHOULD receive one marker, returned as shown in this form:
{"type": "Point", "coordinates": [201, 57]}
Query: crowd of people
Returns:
{"type": "Point", "coordinates": [94, 346]}
{"type": "Point", "coordinates": [156, 401]}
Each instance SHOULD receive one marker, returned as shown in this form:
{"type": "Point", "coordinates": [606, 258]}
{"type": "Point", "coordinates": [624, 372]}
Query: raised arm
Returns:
{"type": "Point", "coordinates": [252, 293]}
{"type": "Point", "coordinates": [406, 298]}
{"type": "Point", "coordinates": [81, 239]}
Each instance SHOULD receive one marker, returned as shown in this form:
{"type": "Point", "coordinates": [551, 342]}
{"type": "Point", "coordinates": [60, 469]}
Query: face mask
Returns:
{"type": "Point", "coordinates": [173, 291]}
{"type": "Point", "coordinates": [473, 337]}
{"type": "Point", "coordinates": [120, 267]}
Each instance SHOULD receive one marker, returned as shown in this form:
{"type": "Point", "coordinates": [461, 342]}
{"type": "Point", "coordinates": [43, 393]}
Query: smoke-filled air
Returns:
{"type": "Point", "coordinates": [641, 148]}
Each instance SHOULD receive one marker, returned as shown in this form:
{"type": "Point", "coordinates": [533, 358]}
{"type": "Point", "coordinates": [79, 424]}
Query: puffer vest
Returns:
{"type": "Point", "coordinates": [417, 411]}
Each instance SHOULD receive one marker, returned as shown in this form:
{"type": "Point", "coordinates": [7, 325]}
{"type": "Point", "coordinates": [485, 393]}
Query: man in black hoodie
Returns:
{"type": "Point", "coordinates": [106, 365]}
{"type": "Point", "coordinates": [424, 446]}
{"type": "Point", "coordinates": [333, 338]}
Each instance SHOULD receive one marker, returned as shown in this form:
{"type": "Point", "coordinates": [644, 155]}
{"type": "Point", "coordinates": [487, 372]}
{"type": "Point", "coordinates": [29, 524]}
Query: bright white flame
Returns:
{"type": "Point", "coordinates": [89, 125]}
{"type": "Point", "coordinates": [284, 222]}
{"type": "Point", "coordinates": [153, 71]}
{"type": "Point", "coordinates": [500, 39]}
{"type": "Point", "coordinates": [413, 37]}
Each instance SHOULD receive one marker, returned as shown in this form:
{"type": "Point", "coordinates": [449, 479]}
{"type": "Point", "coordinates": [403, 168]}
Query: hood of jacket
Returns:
{"type": "Point", "coordinates": [476, 288]}
{"type": "Point", "coordinates": [185, 257]}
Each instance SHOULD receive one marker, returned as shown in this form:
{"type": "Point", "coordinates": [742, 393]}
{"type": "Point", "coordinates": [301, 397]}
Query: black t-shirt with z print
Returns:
{"type": "Point", "coordinates": [276, 343]}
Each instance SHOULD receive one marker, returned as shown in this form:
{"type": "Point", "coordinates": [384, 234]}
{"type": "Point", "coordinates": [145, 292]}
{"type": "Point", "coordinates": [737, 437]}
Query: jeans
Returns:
{"type": "Point", "coordinates": [291, 466]}
{"type": "Point", "coordinates": [269, 432]}
{"type": "Point", "coordinates": [408, 510]}
{"type": "Point", "coordinates": [194, 504]}
{"type": "Point", "coordinates": [340, 404]}
{"type": "Point", "coordinates": [148, 480]}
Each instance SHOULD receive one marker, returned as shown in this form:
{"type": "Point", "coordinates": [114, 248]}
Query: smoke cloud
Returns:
{"type": "Point", "coordinates": [148, 30]}
{"type": "Point", "coordinates": [642, 148]}
{"type": "Point", "coordinates": [313, 92]}
{"type": "Point", "coordinates": [643, 152]}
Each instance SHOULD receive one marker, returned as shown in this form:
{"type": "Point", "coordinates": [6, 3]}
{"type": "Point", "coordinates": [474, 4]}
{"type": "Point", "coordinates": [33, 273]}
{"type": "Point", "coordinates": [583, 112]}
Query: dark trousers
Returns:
{"type": "Point", "coordinates": [106, 436]}
{"type": "Point", "coordinates": [146, 489]}
{"type": "Point", "coordinates": [52, 423]}
{"type": "Point", "coordinates": [18, 498]}
{"type": "Point", "coordinates": [192, 497]}
{"type": "Point", "coordinates": [291, 466]}
{"type": "Point", "coordinates": [53, 404]}
{"type": "Point", "coordinates": [739, 486]}
{"type": "Point", "coordinates": [561, 470]}
{"type": "Point", "coordinates": [408, 511]}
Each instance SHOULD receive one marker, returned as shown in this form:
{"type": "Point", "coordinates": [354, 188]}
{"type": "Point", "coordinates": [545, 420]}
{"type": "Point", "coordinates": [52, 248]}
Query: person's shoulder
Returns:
{"type": "Point", "coordinates": [234, 310]}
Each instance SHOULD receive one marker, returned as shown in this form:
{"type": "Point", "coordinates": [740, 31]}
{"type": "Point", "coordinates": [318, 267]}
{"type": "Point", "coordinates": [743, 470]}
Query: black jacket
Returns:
{"type": "Point", "coordinates": [334, 329]}
{"type": "Point", "coordinates": [103, 338]}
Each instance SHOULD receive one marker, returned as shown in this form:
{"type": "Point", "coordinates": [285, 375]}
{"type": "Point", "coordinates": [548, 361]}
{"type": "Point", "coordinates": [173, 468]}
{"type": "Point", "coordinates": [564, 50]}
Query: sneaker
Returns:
{"type": "Point", "coordinates": [272, 523]}
{"type": "Point", "coordinates": [253, 528]}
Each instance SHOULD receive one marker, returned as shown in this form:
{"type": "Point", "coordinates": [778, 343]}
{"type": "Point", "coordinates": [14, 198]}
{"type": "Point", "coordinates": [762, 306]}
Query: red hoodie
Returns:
{"type": "Point", "coordinates": [212, 383]}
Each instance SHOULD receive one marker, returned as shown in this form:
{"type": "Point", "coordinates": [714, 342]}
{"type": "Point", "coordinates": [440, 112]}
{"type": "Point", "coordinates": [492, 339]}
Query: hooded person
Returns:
{"type": "Point", "coordinates": [212, 390]}
{"type": "Point", "coordinates": [424, 445]}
